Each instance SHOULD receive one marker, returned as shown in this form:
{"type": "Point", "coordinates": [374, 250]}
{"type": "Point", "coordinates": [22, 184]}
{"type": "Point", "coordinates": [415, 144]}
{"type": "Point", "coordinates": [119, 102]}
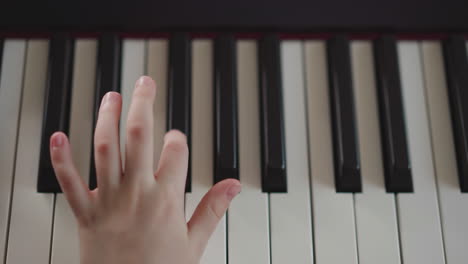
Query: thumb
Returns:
{"type": "Point", "coordinates": [209, 212]}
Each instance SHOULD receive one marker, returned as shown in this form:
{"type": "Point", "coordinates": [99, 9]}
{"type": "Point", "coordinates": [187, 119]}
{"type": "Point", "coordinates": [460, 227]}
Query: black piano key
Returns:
{"type": "Point", "coordinates": [107, 79]}
{"type": "Point", "coordinates": [179, 89]}
{"type": "Point", "coordinates": [396, 157]}
{"type": "Point", "coordinates": [271, 116]}
{"type": "Point", "coordinates": [57, 105]}
{"type": "Point", "coordinates": [226, 162]}
{"type": "Point", "coordinates": [345, 142]}
{"type": "Point", "coordinates": [1, 55]}
{"type": "Point", "coordinates": [456, 66]}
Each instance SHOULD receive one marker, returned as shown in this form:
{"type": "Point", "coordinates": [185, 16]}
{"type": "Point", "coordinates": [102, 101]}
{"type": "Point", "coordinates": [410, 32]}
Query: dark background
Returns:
{"type": "Point", "coordinates": [239, 15]}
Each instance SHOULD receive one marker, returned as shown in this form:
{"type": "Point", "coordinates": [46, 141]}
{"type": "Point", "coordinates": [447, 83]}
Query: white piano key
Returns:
{"type": "Point", "coordinates": [11, 78]}
{"type": "Point", "coordinates": [248, 223]}
{"type": "Point", "coordinates": [453, 203]}
{"type": "Point", "coordinates": [156, 68]}
{"type": "Point", "coordinates": [290, 213]}
{"type": "Point", "coordinates": [31, 212]}
{"type": "Point", "coordinates": [418, 212]}
{"type": "Point", "coordinates": [333, 213]}
{"type": "Point", "coordinates": [65, 241]}
{"type": "Point", "coordinates": [133, 66]}
{"type": "Point", "coordinates": [376, 220]}
{"type": "Point", "coordinates": [202, 145]}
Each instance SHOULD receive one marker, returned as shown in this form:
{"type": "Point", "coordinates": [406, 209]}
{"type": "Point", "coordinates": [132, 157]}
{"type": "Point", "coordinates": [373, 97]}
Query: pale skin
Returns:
{"type": "Point", "coordinates": [136, 215]}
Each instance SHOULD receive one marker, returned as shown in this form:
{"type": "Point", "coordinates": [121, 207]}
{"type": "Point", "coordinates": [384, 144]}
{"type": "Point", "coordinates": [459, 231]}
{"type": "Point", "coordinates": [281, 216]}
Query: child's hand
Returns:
{"type": "Point", "coordinates": [136, 215]}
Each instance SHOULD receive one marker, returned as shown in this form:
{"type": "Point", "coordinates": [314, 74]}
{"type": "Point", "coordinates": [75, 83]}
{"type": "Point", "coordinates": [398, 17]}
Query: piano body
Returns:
{"type": "Point", "coordinates": [345, 121]}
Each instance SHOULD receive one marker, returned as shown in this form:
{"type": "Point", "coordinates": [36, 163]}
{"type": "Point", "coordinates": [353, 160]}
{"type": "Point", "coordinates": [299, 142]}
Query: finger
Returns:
{"type": "Point", "coordinates": [73, 186]}
{"type": "Point", "coordinates": [210, 211]}
{"type": "Point", "coordinates": [106, 144]}
{"type": "Point", "coordinates": [173, 164]}
{"type": "Point", "coordinates": [139, 144]}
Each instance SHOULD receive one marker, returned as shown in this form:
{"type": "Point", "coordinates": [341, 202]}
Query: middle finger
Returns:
{"type": "Point", "coordinates": [139, 139]}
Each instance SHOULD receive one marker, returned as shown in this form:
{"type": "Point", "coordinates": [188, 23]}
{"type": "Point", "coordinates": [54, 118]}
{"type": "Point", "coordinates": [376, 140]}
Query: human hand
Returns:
{"type": "Point", "coordinates": [136, 215]}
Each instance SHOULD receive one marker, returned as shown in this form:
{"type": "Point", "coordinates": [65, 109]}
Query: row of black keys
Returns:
{"type": "Point", "coordinates": [397, 163]}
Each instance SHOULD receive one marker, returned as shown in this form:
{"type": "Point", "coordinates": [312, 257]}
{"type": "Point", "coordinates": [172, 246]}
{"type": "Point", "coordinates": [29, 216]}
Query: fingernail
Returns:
{"type": "Point", "coordinates": [104, 100]}
{"type": "Point", "coordinates": [57, 141]}
{"type": "Point", "coordinates": [110, 97]}
{"type": "Point", "coordinates": [233, 191]}
{"type": "Point", "coordinates": [146, 81]}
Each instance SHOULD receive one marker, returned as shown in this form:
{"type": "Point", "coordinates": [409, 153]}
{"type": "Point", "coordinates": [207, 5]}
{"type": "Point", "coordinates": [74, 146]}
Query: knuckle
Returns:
{"type": "Point", "coordinates": [85, 221]}
{"type": "Point", "coordinates": [171, 198]}
{"type": "Point", "coordinates": [136, 131]}
{"type": "Point", "coordinates": [88, 220]}
{"type": "Point", "coordinates": [103, 148]}
{"type": "Point", "coordinates": [63, 177]}
{"type": "Point", "coordinates": [212, 210]}
{"type": "Point", "coordinates": [170, 193]}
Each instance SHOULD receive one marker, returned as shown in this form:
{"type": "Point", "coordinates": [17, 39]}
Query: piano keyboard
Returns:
{"type": "Point", "coordinates": [349, 151]}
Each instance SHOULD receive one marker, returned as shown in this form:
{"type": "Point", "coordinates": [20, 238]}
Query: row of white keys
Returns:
{"type": "Point", "coordinates": [65, 241]}
{"type": "Point", "coordinates": [248, 223]}
{"type": "Point", "coordinates": [202, 145]}
{"type": "Point", "coordinates": [133, 66]}
{"type": "Point", "coordinates": [333, 213]}
{"type": "Point", "coordinates": [453, 203]}
{"type": "Point", "coordinates": [376, 220]}
{"type": "Point", "coordinates": [418, 212]}
{"type": "Point", "coordinates": [31, 212]}
{"type": "Point", "coordinates": [156, 67]}
{"type": "Point", "coordinates": [421, 236]}
{"type": "Point", "coordinates": [11, 76]}
{"type": "Point", "coordinates": [290, 213]}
